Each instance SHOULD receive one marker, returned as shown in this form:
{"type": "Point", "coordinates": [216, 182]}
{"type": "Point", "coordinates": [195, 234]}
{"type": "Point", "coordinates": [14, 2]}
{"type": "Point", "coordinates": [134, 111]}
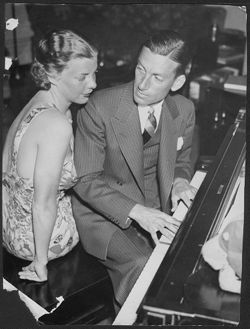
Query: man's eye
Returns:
{"type": "Point", "coordinates": [158, 78]}
{"type": "Point", "coordinates": [139, 68]}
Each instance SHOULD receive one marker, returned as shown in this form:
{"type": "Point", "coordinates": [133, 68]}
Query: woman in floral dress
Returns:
{"type": "Point", "coordinates": [38, 168]}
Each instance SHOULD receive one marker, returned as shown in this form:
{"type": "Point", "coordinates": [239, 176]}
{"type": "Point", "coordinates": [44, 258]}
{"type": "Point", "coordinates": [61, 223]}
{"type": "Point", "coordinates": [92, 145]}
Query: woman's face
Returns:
{"type": "Point", "coordinates": [77, 80]}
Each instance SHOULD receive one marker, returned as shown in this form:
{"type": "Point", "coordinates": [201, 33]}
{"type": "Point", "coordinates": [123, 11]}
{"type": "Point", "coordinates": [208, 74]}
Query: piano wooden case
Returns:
{"type": "Point", "coordinates": [185, 289]}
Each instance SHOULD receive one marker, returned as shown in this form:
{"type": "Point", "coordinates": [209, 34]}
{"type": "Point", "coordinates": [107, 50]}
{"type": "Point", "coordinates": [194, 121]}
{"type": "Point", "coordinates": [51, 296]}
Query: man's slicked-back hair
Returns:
{"type": "Point", "coordinates": [170, 43]}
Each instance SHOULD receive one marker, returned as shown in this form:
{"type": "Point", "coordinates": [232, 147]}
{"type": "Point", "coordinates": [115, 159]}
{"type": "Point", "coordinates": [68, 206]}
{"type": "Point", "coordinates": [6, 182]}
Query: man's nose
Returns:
{"type": "Point", "coordinates": [144, 83]}
{"type": "Point", "coordinates": [92, 82]}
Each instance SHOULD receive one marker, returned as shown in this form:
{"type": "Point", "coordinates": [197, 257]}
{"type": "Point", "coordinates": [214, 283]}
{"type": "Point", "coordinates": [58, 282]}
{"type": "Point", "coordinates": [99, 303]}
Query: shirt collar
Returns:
{"type": "Point", "coordinates": [143, 113]}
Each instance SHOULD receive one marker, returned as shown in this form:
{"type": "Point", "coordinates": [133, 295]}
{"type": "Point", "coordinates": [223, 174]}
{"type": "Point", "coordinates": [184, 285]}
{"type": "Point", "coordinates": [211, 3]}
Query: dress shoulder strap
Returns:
{"type": "Point", "coordinates": [21, 131]}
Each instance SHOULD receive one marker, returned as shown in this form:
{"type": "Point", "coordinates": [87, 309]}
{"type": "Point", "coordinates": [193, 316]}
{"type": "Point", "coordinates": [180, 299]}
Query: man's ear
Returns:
{"type": "Point", "coordinates": [179, 82]}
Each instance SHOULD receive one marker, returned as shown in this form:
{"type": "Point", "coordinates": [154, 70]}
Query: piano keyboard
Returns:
{"type": "Point", "coordinates": [127, 314]}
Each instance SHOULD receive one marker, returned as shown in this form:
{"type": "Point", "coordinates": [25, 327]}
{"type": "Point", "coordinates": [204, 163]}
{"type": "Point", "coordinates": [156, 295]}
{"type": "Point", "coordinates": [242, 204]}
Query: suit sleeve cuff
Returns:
{"type": "Point", "coordinates": [128, 221]}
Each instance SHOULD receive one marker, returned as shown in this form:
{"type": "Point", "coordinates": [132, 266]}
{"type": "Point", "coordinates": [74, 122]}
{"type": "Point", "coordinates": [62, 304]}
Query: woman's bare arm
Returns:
{"type": "Point", "coordinates": [52, 144]}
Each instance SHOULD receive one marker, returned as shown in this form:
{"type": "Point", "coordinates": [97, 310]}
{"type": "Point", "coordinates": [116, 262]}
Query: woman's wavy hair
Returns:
{"type": "Point", "coordinates": [54, 51]}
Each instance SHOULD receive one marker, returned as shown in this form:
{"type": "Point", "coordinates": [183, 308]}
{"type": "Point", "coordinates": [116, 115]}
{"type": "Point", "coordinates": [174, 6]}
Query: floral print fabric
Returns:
{"type": "Point", "coordinates": [17, 193]}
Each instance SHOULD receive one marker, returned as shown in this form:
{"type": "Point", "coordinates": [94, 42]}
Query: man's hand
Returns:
{"type": "Point", "coordinates": [153, 220]}
{"type": "Point", "coordinates": [182, 190]}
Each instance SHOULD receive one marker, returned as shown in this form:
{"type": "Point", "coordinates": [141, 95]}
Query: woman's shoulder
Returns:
{"type": "Point", "coordinates": [41, 108]}
{"type": "Point", "coordinates": [48, 114]}
{"type": "Point", "coordinates": [48, 120]}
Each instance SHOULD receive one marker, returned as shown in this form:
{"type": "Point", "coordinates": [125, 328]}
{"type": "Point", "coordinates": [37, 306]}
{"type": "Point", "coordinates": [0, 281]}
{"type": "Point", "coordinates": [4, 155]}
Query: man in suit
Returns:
{"type": "Point", "coordinates": [127, 172]}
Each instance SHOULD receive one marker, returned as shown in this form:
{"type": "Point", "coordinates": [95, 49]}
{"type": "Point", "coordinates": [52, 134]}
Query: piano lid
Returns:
{"type": "Point", "coordinates": [183, 280]}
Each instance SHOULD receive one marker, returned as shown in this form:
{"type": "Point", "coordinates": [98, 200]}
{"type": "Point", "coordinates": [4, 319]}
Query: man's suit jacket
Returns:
{"type": "Point", "coordinates": [109, 161]}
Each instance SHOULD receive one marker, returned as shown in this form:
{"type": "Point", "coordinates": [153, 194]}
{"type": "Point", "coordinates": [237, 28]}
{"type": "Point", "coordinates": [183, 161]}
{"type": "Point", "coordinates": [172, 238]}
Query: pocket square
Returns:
{"type": "Point", "coordinates": [179, 143]}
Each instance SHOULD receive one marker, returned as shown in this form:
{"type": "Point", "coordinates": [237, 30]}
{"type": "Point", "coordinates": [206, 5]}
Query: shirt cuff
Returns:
{"type": "Point", "coordinates": [128, 221]}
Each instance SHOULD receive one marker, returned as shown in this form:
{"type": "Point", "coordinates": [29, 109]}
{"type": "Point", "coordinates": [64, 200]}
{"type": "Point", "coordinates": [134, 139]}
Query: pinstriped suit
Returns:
{"type": "Point", "coordinates": [109, 162]}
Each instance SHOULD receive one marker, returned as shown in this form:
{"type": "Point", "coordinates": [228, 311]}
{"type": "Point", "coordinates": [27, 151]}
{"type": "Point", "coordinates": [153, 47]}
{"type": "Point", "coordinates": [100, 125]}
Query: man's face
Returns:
{"type": "Point", "coordinates": [154, 76]}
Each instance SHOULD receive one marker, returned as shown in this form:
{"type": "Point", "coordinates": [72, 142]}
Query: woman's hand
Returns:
{"type": "Point", "coordinates": [35, 271]}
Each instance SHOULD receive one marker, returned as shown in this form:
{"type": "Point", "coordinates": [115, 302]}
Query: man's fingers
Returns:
{"type": "Point", "coordinates": [186, 200]}
{"type": "Point", "coordinates": [172, 228]}
{"type": "Point", "coordinates": [187, 195]}
{"type": "Point", "coordinates": [174, 202]}
{"type": "Point", "coordinates": [168, 234]}
{"type": "Point", "coordinates": [176, 221]}
{"type": "Point", "coordinates": [168, 230]}
{"type": "Point", "coordinates": [171, 221]}
{"type": "Point", "coordinates": [191, 193]}
{"type": "Point", "coordinates": [194, 190]}
{"type": "Point", "coordinates": [154, 237]}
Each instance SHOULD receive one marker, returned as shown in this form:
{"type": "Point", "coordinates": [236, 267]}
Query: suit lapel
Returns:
{"type": "Point", "coordinates": [126, 125]}
{"type": "Point", "coordinates": [167, 153]}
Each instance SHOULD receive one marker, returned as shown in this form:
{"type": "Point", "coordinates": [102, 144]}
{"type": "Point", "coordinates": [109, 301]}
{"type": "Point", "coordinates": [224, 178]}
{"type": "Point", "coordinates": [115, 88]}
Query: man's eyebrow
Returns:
{"type": "Point", "coordinates": [160, 74]}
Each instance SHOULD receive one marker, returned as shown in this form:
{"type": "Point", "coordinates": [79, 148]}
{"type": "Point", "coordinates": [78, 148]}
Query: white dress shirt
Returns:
{"type": "Point", "coordinates": [144, 113]}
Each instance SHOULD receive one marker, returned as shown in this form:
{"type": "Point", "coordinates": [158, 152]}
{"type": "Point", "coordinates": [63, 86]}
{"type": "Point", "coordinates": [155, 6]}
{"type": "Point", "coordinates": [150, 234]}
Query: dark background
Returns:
{"type": "Point", "coordinates": [118, 30]}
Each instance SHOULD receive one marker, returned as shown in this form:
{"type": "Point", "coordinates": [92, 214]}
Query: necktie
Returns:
{"type": "Point", "coordinates": [150, 126]}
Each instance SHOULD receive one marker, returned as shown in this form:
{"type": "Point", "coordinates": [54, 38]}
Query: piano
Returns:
{"type": "Point", "coordinates": [176, 286]}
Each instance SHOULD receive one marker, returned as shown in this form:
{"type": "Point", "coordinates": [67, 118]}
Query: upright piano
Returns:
{"type": "Point", "coordinates": [177, 286]}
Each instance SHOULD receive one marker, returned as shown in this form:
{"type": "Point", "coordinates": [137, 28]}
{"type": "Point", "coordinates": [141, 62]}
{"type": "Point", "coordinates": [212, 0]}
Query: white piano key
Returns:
{"type": "Point", "coordinates": [127, 314]}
